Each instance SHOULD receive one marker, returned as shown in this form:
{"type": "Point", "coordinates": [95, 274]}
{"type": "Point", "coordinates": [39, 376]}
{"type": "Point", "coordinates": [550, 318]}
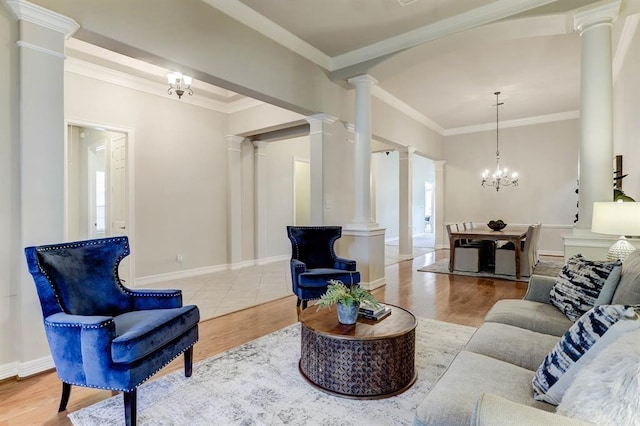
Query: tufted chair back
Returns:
{"type": "Point", "coordinates": [82, 278]}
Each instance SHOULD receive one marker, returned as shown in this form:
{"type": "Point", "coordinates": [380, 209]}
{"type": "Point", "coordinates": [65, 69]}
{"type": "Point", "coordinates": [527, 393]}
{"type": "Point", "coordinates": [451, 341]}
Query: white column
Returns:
{"type": "Point", "coordinates": [42, 35]}
{"type": "Point", "coordinates": [319, 136]}
{"type": "Point", "coordinates": [405, 207]}
{"type": "Point", "coordinates": [234, 200]}
{"type": "Point", "coordinates": [363, 237]}
{"type": "Point", "coordinates": [437, 219]}
{"type": "Point", "coordinates": [260, 165]}
{"type": "Point", "coordinates": [362, 166]}
{"type": "Point", "coordinates": [596, 108]}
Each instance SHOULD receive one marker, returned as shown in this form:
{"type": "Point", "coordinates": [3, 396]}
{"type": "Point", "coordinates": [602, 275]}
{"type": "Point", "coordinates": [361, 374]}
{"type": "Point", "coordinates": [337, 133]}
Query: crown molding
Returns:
{"type": "Point", "coordinates": [27, 11]}
{"type": "Point", "coordinates": [98, 72]}
{"type": "Point", "coordinates": [520, 122]}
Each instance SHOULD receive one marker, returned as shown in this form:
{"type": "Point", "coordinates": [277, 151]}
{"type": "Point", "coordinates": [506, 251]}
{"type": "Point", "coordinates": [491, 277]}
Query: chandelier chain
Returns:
{"type": "Point", "coordinates": [500, 177]}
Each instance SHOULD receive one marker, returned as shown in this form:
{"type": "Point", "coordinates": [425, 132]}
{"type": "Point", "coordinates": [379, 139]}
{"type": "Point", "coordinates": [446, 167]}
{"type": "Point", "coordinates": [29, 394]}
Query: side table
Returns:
{"type": "Point", "coordinates": [369, 360]}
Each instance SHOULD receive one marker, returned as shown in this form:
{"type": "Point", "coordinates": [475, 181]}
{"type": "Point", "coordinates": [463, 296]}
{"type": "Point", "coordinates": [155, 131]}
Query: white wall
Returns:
{"type": "Point", "coordinates": [387, 191]}
{"type": "Point", "coordinates": [180, 172]}
{"type": "Point", "coordinates": [11, 257]}
{"type": "Point", "coordinates": [626, 119]}
{"type": "Point", "coordinates": [280, 156]}
{"type": "Point", "coordinates": [545, 156]}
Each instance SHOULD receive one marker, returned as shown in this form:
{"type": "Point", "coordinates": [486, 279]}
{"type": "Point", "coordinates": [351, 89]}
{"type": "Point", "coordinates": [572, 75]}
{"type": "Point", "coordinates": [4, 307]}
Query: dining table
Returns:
{"type": "Point", "coordinates": [514, 234]}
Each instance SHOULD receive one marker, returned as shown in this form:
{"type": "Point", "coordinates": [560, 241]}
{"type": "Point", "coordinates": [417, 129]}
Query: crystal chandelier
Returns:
{"type": "Point", "coordinates": [501, 176]}
{"type": "Point", "coordinates": [179, 83]}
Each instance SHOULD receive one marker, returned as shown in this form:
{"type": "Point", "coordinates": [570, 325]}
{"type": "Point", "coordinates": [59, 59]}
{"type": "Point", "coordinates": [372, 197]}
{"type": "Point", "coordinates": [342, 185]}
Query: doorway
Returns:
{"type": "Point", "coordinates": [97, 185]}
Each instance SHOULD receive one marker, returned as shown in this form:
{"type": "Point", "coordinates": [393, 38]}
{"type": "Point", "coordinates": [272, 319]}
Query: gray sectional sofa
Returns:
{"type": "Point", "coordinates": [489, 382]}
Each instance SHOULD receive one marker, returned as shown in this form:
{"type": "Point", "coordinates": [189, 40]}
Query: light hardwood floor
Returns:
{"type": "Point", "coordinates": [456, 299]}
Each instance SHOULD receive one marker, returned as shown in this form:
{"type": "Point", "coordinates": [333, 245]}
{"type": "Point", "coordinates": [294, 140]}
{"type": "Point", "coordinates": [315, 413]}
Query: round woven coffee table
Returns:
{"type": "Point", "coordinates": [369, 360]}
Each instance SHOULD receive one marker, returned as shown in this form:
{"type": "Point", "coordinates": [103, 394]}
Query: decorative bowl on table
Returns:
{"type": "Point", "coordinates": [496, 225]}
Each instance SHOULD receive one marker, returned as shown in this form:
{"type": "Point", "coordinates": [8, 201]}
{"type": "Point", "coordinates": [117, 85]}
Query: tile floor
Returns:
{"type": "Point", "coordinates": [220, 293]}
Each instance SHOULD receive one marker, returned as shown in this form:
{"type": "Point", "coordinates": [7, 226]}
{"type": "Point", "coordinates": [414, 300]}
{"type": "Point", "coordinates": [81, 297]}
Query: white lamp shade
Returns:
{"type": "Point", "coordinates": [616, 218]}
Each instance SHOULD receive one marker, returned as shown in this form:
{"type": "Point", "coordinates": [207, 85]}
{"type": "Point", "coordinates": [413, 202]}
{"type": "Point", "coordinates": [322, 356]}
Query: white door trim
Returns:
{"type": "Point", "coordinates": [72, 121]}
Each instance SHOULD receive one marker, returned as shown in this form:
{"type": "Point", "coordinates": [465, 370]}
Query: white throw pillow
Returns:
{"type": "Point", "coordinates": [607, 390]}
{"type": "Point", "coordinates": [557, 371]}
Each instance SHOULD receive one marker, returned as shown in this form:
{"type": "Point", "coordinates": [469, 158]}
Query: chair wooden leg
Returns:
{"type": "Point", "coordinates": [66, 391]}
{"type": "Point", "coordinates": [188, 362]}
{"type": "Point", "coordinates": [130, 407]}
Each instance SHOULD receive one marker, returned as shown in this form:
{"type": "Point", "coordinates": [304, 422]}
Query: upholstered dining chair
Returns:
{"type": "Point", "coordinates": [467, 256]}
{"type": "Point", "coordinates": [505, 263]}
{"type": "Point", "coordinates": [100, 333]}
{"type": "Point", "coordinates": [314, 261]}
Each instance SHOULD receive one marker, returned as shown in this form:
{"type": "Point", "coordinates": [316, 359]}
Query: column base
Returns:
{"type": "Point", "coordinates": [365, 245]}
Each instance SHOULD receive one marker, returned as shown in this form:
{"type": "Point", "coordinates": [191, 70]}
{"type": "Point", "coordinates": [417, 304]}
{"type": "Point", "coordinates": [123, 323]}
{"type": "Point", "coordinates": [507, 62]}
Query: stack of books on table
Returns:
{"type": "Point", "coordinates": [374, 312]}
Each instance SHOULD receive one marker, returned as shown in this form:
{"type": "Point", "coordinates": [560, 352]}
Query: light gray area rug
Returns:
{"type": "Point", "coordinates": [258, 383]}
{"type": "Point", "coordinates": [544, 267]}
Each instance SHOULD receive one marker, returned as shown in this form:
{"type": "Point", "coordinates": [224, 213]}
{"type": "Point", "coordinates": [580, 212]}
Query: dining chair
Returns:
{"type": "Point", "coordinates": [102, 334]}
{"type": "Point", "coordinates": [467, 258]}
{"type": "Point", "coordinates": [505, 263]}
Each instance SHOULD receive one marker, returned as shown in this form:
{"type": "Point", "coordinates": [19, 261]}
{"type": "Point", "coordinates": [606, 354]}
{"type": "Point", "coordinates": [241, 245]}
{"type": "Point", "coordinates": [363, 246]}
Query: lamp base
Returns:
{"type": "Point", "coordinates": [620, 249]}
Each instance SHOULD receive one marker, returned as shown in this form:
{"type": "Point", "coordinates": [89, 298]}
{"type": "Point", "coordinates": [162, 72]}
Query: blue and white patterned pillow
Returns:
{"type": "Point", "coordinates": [578, 285]}
{"type": "Point", "coordinates": [595, 330]}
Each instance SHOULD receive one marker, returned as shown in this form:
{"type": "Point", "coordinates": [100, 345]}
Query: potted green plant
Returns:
{"type": "Point", "coordinates": [347, 299]}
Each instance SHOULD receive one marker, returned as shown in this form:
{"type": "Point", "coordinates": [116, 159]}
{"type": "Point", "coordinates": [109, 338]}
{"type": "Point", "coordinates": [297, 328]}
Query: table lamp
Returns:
{"type": "Point", "coordinates": [617, 218]}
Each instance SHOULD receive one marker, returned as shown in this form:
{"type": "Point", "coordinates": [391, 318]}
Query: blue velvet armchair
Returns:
{"type": "Point", "coordinates": [102, 334]}
{"type": "Point", "coordinates": [314, 261]}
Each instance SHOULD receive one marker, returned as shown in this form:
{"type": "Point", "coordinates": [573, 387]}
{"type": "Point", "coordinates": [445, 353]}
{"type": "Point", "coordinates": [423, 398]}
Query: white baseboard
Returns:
{"type": "Point", "coordinates": [373, 284]}
{"type": "Point", "coordinates": [188, 273]}
{"type": "Point", "coordinates": [26, 369]}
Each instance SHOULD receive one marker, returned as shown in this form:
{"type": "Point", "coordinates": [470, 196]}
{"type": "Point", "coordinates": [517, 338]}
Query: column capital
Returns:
{"type": "Point", "coordinates": [405, 151]}
{"type": "Point", "coordinates": [233, 142]}
{"type": "Point", "coordinates": [27, 11]}
{"type": "Point", "coordinates": [364, 80]}
{"type": "Point", "coordinates": [322, 117]}
{"type": "Point", "coordinates": [439, 164]}
{"type": "Point", "coordinates": [260, 146]}
{"type": "Point", "coordinates": [588, 17]}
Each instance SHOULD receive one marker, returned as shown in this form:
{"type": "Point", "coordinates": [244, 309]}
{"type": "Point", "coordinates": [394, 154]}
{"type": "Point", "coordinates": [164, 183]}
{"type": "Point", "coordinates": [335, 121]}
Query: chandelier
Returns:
{"type": "Point", "coordinates": [180, 83]}
{"type": "Point", "coordinates": [501, 176]}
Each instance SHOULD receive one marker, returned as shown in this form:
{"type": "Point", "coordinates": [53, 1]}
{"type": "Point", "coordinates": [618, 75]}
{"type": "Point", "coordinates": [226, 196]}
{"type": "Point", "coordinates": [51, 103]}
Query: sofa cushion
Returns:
{"type": "Point", "coordinates": [578, 285]}
{"type": "Point", "coordinates": [607, 390]}
{"type": "Point", "coordinates": [535, 316]}
{"type": "Point", "coordinates": [559, 367]}
{"type": "Point", "coordinates": [628, 290]}
{"type": "Point", "coordinates": [452, 399]}
{"type": "Point", "coordinates": [493, 410]}
{"type": "Point", "coordinates": [515, 345]}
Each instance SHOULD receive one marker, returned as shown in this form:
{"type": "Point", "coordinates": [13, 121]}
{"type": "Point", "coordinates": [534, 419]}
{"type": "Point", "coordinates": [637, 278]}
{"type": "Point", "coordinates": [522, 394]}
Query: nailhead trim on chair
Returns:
{"type": "Point", "coordinates": [73, 325]}
{"type": "Point", "coordinates": [147, 378]}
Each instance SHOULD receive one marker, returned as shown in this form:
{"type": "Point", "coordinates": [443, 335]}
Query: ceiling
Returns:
{"type": "Point", "coordinates": [443, 59]}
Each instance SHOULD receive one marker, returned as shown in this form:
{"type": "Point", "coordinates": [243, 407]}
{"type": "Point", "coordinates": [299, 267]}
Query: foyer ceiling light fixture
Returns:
{"type": "Point", "coordinates": [501, 176]}
{"type": "Point", "coordinates": [180, 83]}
